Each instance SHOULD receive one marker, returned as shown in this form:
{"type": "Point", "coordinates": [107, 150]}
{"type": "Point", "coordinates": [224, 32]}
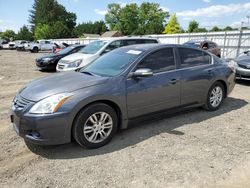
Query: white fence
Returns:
{"type": "Point", "coordinates": [231, 42]}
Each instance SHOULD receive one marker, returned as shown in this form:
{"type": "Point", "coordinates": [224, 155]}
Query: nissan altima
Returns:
{"type": "Point", "coordinates": [92, 104]}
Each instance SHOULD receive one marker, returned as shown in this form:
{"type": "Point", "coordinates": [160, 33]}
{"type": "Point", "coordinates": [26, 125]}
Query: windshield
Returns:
{"type": "Point", "coordinates": [66, 50]}
{"type": "Point", "coordinates": [93, 47]}
{"type": "Point", "coordinates": [112, 63]}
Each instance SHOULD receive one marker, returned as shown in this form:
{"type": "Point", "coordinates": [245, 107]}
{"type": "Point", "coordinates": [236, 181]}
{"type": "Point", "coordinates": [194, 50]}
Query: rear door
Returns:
{"type": "Point", "coordinates": [158, 92]}
{"type": "Point", "coordinates": [196, 69]}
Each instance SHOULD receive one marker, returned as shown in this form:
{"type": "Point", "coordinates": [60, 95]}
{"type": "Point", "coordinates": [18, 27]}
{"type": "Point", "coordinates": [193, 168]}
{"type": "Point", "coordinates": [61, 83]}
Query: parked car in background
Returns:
{"type": "Point", "coordinates": [11, 45]}
{"type": "Point", "coordinates": [96, 49]}
{"type": "Point", "coordinates": [20, 45]}
{"type": "Point", "coordinates": [205, 45]}
{"type": "Point", "coordinates": [49, 62]}
{"type": "Point", "coordinates": [92, 104]}
{"type": "Point", "coordinates": [40, 45]}
{"type": "Point", "coordinates": [243, 66]}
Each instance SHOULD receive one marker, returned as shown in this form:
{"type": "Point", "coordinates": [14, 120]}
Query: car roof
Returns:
{"type": "Point", "coordinates": [199, 41]}
{"type": "Point", "coordinates": [149, 47]}
{"type": "Point", "coordinates": [126, 38]}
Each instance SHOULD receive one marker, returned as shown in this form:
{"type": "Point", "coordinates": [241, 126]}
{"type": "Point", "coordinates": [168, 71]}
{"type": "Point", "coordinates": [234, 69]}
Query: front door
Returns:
{"type": "Point", "coordinates": [158, 92]}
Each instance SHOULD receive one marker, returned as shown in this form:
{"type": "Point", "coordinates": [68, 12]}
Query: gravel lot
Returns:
{"type": "Point", "coordinates": [189, 149]}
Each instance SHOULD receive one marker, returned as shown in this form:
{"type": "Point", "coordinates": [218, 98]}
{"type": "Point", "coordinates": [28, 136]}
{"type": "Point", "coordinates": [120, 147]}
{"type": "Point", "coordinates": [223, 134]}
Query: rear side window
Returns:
{"type": "Point", "coordinates": [212, 45]}
{"type": "Point", "coordinates": [159, 61]}
{"type": "Point", "coordinates": [192, 57]}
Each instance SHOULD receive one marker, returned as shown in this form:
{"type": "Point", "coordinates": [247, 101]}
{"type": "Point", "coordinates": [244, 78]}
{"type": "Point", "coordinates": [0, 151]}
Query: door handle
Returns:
{"type": "Point", "coordinates": [173, 81]}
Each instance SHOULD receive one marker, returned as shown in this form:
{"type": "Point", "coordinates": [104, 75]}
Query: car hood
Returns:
{"type": "Point", "coordinates": [59, 83]}
{"type": "Point", "coordinates": [243, 60]}
{"type": "Point", "coordinates": [49, 56]}
{"type": "Point", "coordinates": [77, 56]}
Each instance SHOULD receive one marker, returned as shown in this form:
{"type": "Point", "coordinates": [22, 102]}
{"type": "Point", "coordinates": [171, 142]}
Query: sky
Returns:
{"type": "Point", "coordinates": [15, 13]}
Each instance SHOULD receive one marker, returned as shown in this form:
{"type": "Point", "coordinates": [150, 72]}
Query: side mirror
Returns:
{"type": "Point", "coordinates": [106, 51]}
{"type": "Point", "coordinates": [142, 73]}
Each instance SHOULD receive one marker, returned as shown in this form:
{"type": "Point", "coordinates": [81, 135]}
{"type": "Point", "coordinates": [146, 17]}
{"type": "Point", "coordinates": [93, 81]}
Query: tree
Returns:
{"type": "Point", "coordinates": [50, 12]}
{"type": "Point", "coordinates": [215, 28]}
{"type": "Point", "coordinates": [8, 35]}
{"type": "Point", "coordinates": [193, 26]}
{"type": "Point", "coordinates": [97, 27]}
{"type": "Point", "coordinates": [24, 34]}
{"type": "Point", "coordinates": [112, 18]}
{"type": "Point", "coordinates": [132, 19]}
{"type": "Point", "coordinates": [173, 26]}
{"type": "Point", "coordinates": [42, 31]}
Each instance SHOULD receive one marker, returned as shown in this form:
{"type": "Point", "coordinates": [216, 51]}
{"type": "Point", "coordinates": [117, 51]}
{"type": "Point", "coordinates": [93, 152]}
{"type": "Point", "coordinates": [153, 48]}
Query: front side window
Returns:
{"type": "Point", "coordinates": [114, 45]}
{"type": "Point", "coordinates": [159, 61]}
{"type": "Point", "coordinates": [192, 57]}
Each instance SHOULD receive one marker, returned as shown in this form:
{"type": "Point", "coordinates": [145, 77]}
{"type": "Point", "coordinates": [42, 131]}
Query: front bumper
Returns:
{"type": "Point", "coordinates": [49, 129]}
{"type": "Point", "coordinates": [63, 67]}
{"type": "Point", "coordinates": [46, 65]}
{"type": "Point", "coordinates": [243, 74]}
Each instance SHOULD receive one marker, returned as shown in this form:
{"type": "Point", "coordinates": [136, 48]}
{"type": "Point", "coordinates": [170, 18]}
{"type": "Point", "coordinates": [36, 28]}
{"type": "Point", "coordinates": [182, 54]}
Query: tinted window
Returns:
{"type": "Point", "coordinates": [47, 42]}
{"type": "Point", "coordinates": [159, 61]}
{"type": "Point", "coordinates": [130, 42]}
{"type": "Point", "coordinates": [212, 45]}
{"type": "Point", "coordinates": [114, 45]}
{"type": "Point", "coordinates": [150, 41]}
{"type": "Point", "coordinates": [192, 57]}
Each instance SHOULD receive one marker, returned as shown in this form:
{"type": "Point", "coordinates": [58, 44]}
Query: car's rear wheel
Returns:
{"type": "Point", "coordinates": [35, 50]}
{"type": "Point", "coordinates": [95, 125]}
{"type": "Point", "coordinates": [215, 97]}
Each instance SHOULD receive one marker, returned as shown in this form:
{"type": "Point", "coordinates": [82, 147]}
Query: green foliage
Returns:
{"type": "Point", "coordinates": [228, 28]}
{"type": "Point", "coordinates": [132, 19]}
{"type": "Point", "coordinates": [97, 27]}
{"type": "Point", "coordinates": [173, 26]}
{"type": "Point", "coordinates": [41, 31]}
{"type": "Point", "coordinates": [24, 34]}
{"type": "Point", "coordinates": [48, 16]}
{"type": "Point", "coordinates": [8, 35]}
{"type": "Point", "coordinates": [193, 26]}
{"type": "Point", "coordinates": [215, 28]}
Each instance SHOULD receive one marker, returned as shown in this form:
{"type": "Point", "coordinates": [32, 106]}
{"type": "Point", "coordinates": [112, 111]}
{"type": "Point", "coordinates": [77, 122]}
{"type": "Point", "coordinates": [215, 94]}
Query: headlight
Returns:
{"type": "Point", "coordinates": [50, 104]}
{"type": "Point", "coordinates": [47, 59]}
{"type": "Point", "coordinates": [75, 63]}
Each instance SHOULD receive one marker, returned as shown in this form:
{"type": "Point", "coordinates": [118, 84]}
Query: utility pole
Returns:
{"type": "Point", "coordinates": [239, 41]}
{"type": "Point", "coordinates": [248, 17]}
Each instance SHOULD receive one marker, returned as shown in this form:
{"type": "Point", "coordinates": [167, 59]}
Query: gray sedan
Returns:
{"type": "Point", "coordinates": [92, 104]}
{"type": "Point", "coordinates": [243, 66]}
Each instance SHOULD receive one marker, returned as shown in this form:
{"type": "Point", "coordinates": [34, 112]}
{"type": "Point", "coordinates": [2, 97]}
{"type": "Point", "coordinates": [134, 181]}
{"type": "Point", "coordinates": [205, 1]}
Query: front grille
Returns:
{"type": "Point", "coordinates": [244, 66]}
{"type": "Point", "coordinates": [20, 102]}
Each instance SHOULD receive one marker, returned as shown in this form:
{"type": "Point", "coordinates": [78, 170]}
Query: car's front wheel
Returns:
{"type": "Point", "coordinates": [215, 97]}
{"type": "Point", "coordinates": [95, 125]}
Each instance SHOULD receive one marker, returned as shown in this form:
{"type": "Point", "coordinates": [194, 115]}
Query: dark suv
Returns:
{"type": "Point", "coordinates": [205, 45]}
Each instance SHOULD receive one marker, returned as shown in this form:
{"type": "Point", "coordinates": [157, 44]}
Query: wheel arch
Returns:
{"type": "Point", "coordinates": [224, 85]}
{"type": "Point", "coordinates": [110, 103]}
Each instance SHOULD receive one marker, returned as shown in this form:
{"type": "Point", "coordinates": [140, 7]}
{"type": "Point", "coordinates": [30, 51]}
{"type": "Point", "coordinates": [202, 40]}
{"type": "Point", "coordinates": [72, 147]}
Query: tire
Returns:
{"type": "Point", "coordinates": [217, 92]}
{"type": "Point", "coordinates": [35, 50]}
{"type": "Point", "coordinates": [90, 131]}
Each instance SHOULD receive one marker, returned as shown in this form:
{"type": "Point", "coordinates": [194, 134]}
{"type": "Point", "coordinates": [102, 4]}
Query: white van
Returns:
{"type": "Point", "coordinates": [97, 48]}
